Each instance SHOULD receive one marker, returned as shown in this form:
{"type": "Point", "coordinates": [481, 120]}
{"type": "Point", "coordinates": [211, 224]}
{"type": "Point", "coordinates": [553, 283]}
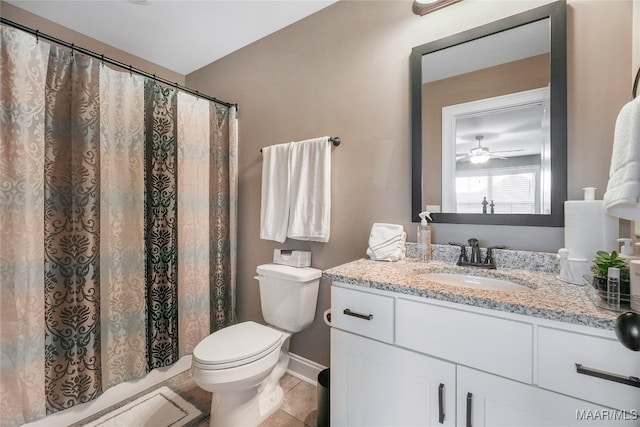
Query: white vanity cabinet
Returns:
{"type": "Point", "coordinates": [374, 383]}
{"type": "Point", "coordinates": [487, 400]}
{"type": "Point", "coordinates": [391, 354]}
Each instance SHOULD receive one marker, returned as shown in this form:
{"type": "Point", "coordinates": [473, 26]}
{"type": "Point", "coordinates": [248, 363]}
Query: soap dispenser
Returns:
{"type": "Point", "coordinates": [424, 237]}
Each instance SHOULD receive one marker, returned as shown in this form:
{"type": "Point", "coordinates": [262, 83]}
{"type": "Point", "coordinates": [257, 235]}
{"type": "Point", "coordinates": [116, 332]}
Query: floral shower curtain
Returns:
{"type": "Point", "coordinates": [117, 225]}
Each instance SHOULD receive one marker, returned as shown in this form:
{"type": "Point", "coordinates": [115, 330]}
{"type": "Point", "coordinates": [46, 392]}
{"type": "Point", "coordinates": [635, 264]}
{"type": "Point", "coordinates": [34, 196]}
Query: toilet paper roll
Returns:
{"type": "Point", "coordinates": [588, 229]}
{"type": "Point", "coordinates": [327, 317]}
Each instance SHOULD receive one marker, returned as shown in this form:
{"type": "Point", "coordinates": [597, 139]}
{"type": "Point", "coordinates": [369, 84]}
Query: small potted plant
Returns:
{"type": "Point", "coordinates": [600, 269]}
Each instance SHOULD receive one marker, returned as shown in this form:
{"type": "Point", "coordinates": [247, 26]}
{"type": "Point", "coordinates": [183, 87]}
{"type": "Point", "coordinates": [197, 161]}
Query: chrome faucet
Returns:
{"type": "Point", "coordinates": [475, 251]}
{"type": "Point", "coordinates": [476, 258]}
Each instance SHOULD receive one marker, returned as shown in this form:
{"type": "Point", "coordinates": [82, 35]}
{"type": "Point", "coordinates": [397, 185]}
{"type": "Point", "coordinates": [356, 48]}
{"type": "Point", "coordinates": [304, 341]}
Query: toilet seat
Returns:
{"type": "Point", "coordinates": [236, 345]}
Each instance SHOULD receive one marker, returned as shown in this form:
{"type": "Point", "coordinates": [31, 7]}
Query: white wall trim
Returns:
{"type": "Point", "coordinates": [304, 369]}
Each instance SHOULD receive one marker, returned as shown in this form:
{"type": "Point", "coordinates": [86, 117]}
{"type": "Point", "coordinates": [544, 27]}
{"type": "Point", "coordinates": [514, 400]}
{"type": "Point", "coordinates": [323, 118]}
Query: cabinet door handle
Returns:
{"type": "Point", "coordinates": [632, 381]}
{"type": "Point", "coordinates": [469, 400]}
{"type": "Point", "coordinates": [348, 312]}
{"type": "Point", "coordinates": [441, 403]}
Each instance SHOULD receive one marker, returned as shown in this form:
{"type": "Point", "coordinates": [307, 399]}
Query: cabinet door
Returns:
{"type": "Point", "coordinates": [489, 400]}
{"type": "Point", "coordinates": [376, 384]}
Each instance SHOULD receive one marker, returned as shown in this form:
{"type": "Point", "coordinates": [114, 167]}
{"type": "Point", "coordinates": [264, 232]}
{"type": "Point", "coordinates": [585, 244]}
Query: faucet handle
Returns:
{"type": "Point", "coordinates": [463, 252]}
{"type": "Point", "coordinates": [489, 258]}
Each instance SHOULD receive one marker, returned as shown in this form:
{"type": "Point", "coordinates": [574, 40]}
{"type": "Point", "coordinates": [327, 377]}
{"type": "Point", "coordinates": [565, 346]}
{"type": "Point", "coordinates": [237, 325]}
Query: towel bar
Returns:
{"type": "Point", "coordinates": [335, 140]}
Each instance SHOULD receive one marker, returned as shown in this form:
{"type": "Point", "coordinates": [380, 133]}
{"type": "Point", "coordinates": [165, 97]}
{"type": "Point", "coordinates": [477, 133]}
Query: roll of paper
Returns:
{"type": "Point", "coordinates": [588, 229]}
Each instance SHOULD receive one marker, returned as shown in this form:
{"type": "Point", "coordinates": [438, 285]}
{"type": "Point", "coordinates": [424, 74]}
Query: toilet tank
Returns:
{"type": "Point", "coordinates": [288, 295]}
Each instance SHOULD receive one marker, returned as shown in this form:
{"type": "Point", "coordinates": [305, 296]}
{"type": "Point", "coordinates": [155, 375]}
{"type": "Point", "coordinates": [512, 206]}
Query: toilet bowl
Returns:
{"type": "Point", "coordinates": [234, 363]}
{"type": "Point", "coordinates": [242, 364]}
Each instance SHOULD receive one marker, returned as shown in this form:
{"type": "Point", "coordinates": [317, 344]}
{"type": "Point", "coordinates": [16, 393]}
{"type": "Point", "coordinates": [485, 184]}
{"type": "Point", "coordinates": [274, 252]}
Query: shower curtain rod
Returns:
{"type": "Point", "coordinates": [111, 61]}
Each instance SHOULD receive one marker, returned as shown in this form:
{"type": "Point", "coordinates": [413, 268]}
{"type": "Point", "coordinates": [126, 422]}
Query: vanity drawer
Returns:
{"type": "Point", "coordinates": [492, 344]}
{"type": "Point", "coordinates": [560, 350]}
{"type": "Point", "coordinates": [362, 313]}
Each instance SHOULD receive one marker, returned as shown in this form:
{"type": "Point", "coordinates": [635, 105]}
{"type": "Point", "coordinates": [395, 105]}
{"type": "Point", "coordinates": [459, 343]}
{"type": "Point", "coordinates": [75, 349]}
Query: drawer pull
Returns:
{"type": "Point", "coordinates": [632, 381]}
{"type": "Point", "coordinates": [348, 312]}
{"type": "Point", "coordinates": [441, 403]}
{"type": "Point", "coordinates": [469, 401]}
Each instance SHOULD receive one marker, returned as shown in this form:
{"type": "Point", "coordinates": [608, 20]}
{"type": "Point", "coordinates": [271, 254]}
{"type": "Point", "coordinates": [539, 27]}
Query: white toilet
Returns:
{"type": "Point", "coordinates": [242, 364]}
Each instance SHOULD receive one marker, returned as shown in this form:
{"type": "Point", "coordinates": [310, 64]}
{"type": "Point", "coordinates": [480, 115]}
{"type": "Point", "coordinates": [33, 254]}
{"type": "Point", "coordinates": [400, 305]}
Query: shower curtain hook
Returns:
{"type": "Point", "coordinates": [37, 37]}
{"type": "Point", "coordinates": [130, 71]}
{"type": "Point", "coordinates": [72, 48]}
{"type": "Point", "coordinates": [102, 59]}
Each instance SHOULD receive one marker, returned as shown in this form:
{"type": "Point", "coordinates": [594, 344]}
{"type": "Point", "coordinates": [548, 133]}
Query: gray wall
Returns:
{"type": "Point", "coordinates": [344, 71]}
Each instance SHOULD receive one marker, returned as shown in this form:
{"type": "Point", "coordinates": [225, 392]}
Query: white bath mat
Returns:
{"type": "Point", "coordinates": [159, 408]}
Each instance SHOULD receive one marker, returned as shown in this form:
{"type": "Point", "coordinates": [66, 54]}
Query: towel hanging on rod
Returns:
{"type": "Point", "coordinates": [335, 140]}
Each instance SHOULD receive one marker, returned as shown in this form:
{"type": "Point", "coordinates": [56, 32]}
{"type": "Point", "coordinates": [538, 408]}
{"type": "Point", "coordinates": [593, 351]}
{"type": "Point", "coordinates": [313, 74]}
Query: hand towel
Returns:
{"type": "Point", "coordinates": [310, 190]}
{"type": "Point", "coordinates": [274, 201]}
{"type": "Point", "coordinates": [622, 198]}
{"type": "Point", "coordinates": [387, 242]}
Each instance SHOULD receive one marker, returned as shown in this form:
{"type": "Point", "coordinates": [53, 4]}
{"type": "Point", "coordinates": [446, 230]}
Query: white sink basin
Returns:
{"type": "Point", "coordinates": [466, 281]}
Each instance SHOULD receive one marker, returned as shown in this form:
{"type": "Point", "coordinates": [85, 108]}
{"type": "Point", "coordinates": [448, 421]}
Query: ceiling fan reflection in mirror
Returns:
{"type": "Point", "coordinates": [481, 154]}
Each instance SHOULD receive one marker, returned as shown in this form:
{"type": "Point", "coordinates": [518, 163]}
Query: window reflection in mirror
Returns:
{"type": "Point", "coordinates": [492, 117]}
{"type": "Point", "coordinates": [511, 61]}
{"type": "Point", "coordinates": [497, 151]}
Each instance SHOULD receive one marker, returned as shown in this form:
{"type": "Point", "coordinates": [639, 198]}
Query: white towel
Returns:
{"type": "Point", "coordinates": [274, 202]}
{"type": "Point", "coordinates": [622, 198]}
{"type": "Point", "coordinates": [387, 242]}
{"type": "Point", "coordinates": [310, 190]}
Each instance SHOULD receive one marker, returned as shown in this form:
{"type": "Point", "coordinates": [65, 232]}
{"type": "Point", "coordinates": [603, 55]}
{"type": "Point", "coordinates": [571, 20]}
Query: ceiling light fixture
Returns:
{"type": "Point", "coordinates": [478, 158]}
{"type": "Point", "coordinates": [422, 7]}
{"type": "Point", "coordinates": [141, 2]}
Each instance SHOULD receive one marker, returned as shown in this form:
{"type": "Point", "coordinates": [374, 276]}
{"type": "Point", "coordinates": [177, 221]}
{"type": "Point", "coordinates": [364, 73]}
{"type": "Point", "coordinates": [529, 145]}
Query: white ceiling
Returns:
{"type": "Point", "coordinates": [181, 35]}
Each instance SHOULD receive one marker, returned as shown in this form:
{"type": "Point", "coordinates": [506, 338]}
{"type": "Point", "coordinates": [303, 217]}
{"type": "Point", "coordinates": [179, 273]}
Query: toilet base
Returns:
{"type": "Point", "coordinates": [245, 408]}
{"type": "Point", "coordinates": [250, 407]}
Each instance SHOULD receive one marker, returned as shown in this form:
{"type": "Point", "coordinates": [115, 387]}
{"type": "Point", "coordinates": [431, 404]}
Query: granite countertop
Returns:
{"type": "Point", "coordinates": [544, 295]}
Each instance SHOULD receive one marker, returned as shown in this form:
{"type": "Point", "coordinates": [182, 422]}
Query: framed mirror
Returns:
{"type": "Point", "coordinates": [489, 112]}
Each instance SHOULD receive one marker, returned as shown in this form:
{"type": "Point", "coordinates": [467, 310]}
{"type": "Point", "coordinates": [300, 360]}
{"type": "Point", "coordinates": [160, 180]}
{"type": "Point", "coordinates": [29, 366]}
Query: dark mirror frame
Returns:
{"type": "Point", "coordinates": [558, 92]}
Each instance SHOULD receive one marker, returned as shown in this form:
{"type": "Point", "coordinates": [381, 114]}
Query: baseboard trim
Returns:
{"type": "Point", "coordinates": [304, 369]}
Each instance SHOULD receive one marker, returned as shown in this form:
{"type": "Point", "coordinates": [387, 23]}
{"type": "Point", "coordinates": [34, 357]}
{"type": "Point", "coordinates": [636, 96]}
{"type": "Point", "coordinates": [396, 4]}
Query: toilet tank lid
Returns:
{"type": "Point", "coordinates": [301, 274]}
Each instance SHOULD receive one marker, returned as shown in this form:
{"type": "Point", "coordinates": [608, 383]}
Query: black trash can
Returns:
{"type": "Point", "coordinates": [322, 391]}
